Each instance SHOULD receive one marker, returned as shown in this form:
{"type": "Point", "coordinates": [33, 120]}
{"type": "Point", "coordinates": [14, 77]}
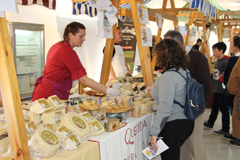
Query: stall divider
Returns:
{"type": "Point", "coordinates": [11, 97]}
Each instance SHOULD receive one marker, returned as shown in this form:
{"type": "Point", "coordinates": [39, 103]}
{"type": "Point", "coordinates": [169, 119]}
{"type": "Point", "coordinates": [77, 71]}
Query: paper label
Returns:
{"type": "Point", "coordinates": [50, 137]}
{"type": "Point", "coordinates": [65, 131]}
{"type": "Point", "coordinates": [74, 139]}
{"type": "Point", "coordinates": [87, 116]}
{"type": "Point", "coordinates": [96, 125]}
{"type": "Point", "coordinates": [78, 122]}
{"type": "Point", "coordinates": [32, 126]}
{"type": "Point", "coordinates": [44, 103]}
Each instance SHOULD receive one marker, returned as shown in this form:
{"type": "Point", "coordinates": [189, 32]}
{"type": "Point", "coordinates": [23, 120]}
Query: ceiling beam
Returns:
{"type": "Point", "coordinates": [151, 14]}
{"type": "Point", "coordinates": [229, 12]}
{"type": "Point", "coordinates": [177, 10]}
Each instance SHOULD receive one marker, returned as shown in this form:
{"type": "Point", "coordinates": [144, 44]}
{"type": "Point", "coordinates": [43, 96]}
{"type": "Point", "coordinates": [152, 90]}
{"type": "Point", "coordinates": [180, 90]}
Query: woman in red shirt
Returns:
{"type": "Point", "coordinates": [63, 66]}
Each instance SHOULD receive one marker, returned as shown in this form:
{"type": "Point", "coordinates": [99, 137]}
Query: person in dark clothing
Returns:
{"type": "Point", "coordinates": [235, 49]}
{"type": "Point", "coordinates": [199, 69]}
{"type": "Point", "coordinates": [197, 45]}
{"type": "Point", "coordinates": [219, 99]}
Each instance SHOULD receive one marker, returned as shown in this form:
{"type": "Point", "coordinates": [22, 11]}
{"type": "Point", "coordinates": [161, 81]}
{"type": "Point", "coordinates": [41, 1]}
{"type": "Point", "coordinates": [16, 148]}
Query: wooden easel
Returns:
{"type": "Point", "coordinates": [11, 98]}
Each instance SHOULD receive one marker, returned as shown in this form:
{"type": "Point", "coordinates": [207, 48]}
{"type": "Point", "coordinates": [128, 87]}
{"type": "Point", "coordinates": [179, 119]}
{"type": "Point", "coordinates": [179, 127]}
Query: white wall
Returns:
{"type": "Point", "coordinates": [55, 21]}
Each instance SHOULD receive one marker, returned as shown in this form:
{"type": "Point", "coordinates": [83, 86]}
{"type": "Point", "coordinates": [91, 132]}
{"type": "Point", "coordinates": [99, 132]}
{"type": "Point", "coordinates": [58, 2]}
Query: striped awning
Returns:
{"type": "Point", "coordinates": [51, 4]}
{"type": "Point", "coordinates": [84, 8]}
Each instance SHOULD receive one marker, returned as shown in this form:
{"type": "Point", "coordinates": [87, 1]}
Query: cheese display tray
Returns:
{"type": "Point", "coordinates": [95, 93]}
{"type": "Point", "coordinates": [119, 110]}
{"type": "Point", "coordinates": [89, 108]}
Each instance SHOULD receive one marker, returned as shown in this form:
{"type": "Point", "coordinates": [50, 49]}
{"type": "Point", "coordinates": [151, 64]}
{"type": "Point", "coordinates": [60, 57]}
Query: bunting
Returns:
{"type": "Point", "coordinates": [51, 4]}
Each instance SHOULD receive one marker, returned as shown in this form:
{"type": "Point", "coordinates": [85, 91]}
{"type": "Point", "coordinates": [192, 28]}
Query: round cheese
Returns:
{"type": "Point", "coordinates": [44, 142]}
{"type": "Point", "coordinates": [40, 106]}
{"type": "Point", "coordinates": [76, 123]}
{"type": "Point", "coordinates": [71, 143]}
{"type": "Point", "coordinates": [55, 102]}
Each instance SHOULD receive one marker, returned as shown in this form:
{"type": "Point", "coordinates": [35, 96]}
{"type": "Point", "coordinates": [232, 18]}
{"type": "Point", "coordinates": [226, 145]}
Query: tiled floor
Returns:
{"type": "Point", "coordinates": [216, 147]}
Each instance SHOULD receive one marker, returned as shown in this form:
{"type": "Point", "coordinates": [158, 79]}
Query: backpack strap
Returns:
{"type": "Point", "coordinates": [179, 73]}
{"type": "Point", "coordinates": [187, 78]}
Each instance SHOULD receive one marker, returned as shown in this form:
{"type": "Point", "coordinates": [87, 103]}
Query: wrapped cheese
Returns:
{"type": "Point", "coordinates": [36, 118]}
{"type": "Point", "coordinates": [31, 127]}
{"type": "Point", "coordinates": [4, 143]}
{"type": "Point", "coordinates": [52, 117]}
{"type": "Point", "coordinates": [88, 117]}
{"type": "Point", "coordinates": [40, 106]}
{"type": "Point", "coordinates": [44, 142]}
{"type": "Point", "coordinates": [76, 123]}
{"type": "Point", "coordinates": [112, 124]}
{"type": "Point", "coordinates": [71, 143]}
{"type": "Point", "coordinates": [55, 102]}
{"type": "Point", "coordinates": [98, 127]}
{"type": "Point", "coordinates": [63, 133]}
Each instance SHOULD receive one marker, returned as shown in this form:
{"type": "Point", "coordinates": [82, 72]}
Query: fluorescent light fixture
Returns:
{"type": "Point", "coordinates": [235, 4]}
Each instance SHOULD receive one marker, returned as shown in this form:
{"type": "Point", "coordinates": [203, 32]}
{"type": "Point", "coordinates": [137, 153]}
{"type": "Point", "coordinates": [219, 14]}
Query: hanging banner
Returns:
{"type": "Point", "coordinates": [51, 4]}
{"type": "Point", "coordinates": [205, 7]}
{"type": "Point", "coordinates": [104, 29]}
{"type": "Point", "coordinates": [128, 40]}
{"type": "Point", "coordinates": [159, 20]}
{"type": "Point", "coordinates": [100, 4]}
{"type": "Point", "coordinates": [146, 36]}
{"type": "Point", "coordinates": [143, 14]}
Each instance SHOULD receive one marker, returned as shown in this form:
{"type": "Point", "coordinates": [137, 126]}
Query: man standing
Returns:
{"type": "Point", "coordinates": [199, 69]}
{"type": "Point", "coordinates": [197, 45]}
{"type": "Point", "coordinates": [119, 65]}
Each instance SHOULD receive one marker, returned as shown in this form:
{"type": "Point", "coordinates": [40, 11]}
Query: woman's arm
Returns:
{"type": "Point", "coordinates": [85, 80]}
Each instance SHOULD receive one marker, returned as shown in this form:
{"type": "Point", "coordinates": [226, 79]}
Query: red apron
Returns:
{"type": "Point", "coordinates": [61, 89]}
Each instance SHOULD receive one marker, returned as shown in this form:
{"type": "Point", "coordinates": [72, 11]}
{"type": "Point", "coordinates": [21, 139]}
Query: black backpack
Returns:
{"type": "Point", "coordinates": [195, 98]}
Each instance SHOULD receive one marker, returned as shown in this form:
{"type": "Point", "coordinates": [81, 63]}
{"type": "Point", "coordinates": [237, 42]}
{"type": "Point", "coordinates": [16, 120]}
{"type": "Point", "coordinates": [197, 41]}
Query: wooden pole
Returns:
{"type": "Point", "coordinates": [154, 56]}
{"type": "Point", "coordinates": [206, 43]}
{"type": "Point", "coordinates": [144, 52]}
{"type": "Point", "coordinates": [108, 52]}
{"type": "Point", "coordinates": [11, 97]}
{"type": "Point", "coordinates": [189, 24]}
{"type": "Point", "coordinates": [220, 38]}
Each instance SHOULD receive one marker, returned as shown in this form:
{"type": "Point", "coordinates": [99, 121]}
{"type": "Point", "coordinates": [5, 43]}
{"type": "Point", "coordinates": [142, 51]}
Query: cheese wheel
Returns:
{"type": "Point", "coordinates": [44, 142]}
{"type": "Point", "coordinates": [76, 123]}
{"type": "Point", "coordinates": [98, 127]}
{"type": "Point", "coordinates": [4, 143]}
{"type": "Point", "coordinates": [63, 133]}
{"type": "Point", "coordinates": [55, 102]}
{"type": "Point", "coordinates": [40, 106]}
{"type": "Point", "coordinates": [71, 143]}
{"type": "Point", "coordinates": [51, 116]}
{"type": "Point", "coordinates": [36, 118]}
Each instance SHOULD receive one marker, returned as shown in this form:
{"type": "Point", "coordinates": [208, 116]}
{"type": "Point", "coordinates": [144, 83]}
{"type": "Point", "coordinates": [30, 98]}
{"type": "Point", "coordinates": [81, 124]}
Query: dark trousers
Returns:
{"type": "Point", "coordinates": [219, 102]}
{"type": "Point", "coordinates": [174, 134]}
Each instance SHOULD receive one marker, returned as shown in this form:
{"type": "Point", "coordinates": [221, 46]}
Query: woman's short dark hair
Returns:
{"type": "Point", "coordinates": [236, 41]}
{"type": "Point", "coordinates": [72, 28]}
{"type": "Point", "coordinates": [171, 53]}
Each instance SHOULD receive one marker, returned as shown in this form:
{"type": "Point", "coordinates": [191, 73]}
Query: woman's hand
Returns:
{"type": "Point", "coordinates": [153, 141]}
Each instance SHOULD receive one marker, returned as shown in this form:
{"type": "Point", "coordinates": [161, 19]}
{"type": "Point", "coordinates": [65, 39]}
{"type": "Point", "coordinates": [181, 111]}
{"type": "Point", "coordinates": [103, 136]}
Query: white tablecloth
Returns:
{"type": "Point", "coordinates": [128, 142]}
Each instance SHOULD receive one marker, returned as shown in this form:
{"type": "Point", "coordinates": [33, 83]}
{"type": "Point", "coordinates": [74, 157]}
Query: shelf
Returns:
{"type": "Point", "coordinates": [25, 55]}
{"type": "Point", "coordinates": [27, 73]}
{"type": "Point", "coordinates": [26, 44]}
{"type": "Point", "coordinates": [26, 92]}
